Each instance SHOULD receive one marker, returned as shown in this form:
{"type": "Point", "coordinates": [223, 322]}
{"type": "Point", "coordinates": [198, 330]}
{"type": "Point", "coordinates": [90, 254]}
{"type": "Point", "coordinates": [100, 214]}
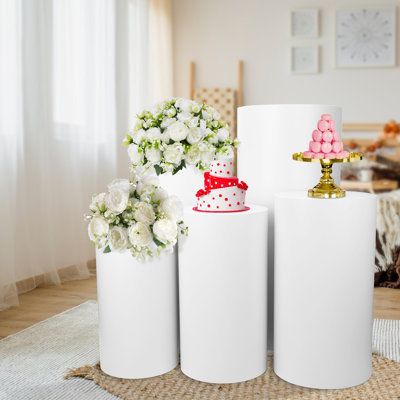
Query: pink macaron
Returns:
{"type": "Point", "coordinates": [323, 125]}
{"type": "Point", "coordinates": [326, 147]}
{"type": "Point", "coordinates": [319, 155]}
{"type": "Point", "coordinates": [327, 136]}
{"type": "Point", "coordinates": [336, 136]}
{"type": "Point", "coordinates": [337, 147]}
{"type": "Point", "coordinates": [317, 135]}
{"type": "Point", "coordinates": [308, 154]}
{"type": "Point", "coordinates": [315, 147]}
{"type": "Point", "coordinates": [342, 154]}
{"type": "Point", "coordinates": [326, 117]}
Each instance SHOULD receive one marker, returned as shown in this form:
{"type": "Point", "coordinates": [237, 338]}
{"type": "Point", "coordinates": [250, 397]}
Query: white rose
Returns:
{"type": "Point", "coordinates": [97, 228]}
{"type": "Point", "coordinates": [165, 137]}
{"type": "Point", "coordinates": [206, 153]}
{"type": "Point", "coordinates": [135, 154]}
{"type": "Point", "coordinates": [144, 213]}
{"type": "Point", "coordinates": [195, 108]}
{"type": "Point", "coordinates": [153, 155]}
{"type": "Point", "coordinates": [159, 194]}
{"type": "Point", "coordinates": [178, 131]}
{"type": "Point", "coordinates": [183, 104]}
{"type": "Point", "coordinates": [151, 180]}
{"type": "Point", "coordinates": [153, 134]}
{"type": "Point", "coordinates": [222, 134]}
{"type": "Point", "coordinates": [165, 230]}
{"type": "Point", "coordinates": [138, 136]}
{"type": "Point", "coordinates": [171, 112]}
{"type": "Point", "coordinates": [216, 115]}
{"type": "Point", "coordinates": [117, 200]}
{"type": "Point", "coordinates": [140, 234]}
{"type": "Point", "coordinates": [184, 116]}
{"type": "Point", "coordinates": [192, 122]}
{"type": "Point", "coordinates": [192, 157]}
{"type": "Point", "coordinates": [98, 202]}
{"type": "Point", "coordinates": [122, 184]}
{"type": "Point", "coordinates": [167, 122]}
{"type": "Point", "coordinates": [172, 207]}
{"type": "Point", "coordinates": [118, 238]}
{"type": "Point", "coordinates": [205, 115]}
{"type": "Point", "coordinates": [194, 136]}
{"type": "Point", "coordinates": [173, 153]}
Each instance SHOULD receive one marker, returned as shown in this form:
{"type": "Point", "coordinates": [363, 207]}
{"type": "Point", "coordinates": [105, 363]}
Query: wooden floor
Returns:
{"type": "Point", "coordinates": [42, 303]}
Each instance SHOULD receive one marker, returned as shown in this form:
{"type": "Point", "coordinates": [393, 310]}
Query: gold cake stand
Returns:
{"type": "Point", "coordinates": [326, 187]}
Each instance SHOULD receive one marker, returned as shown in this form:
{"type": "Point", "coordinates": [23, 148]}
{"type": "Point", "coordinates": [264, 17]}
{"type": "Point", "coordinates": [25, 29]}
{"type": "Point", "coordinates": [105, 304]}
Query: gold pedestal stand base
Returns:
{"type": "Point", "coordinates": [326, 187]}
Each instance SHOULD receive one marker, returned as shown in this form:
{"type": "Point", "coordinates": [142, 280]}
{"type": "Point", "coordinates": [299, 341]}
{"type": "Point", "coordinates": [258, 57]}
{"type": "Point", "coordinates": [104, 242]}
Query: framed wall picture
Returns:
{"type": "Point", "coordinates": [305, 59]}
{"type": "Point", "coordinates": [305, 23]}
{"type": "Point", "coordinates": [366, 37]}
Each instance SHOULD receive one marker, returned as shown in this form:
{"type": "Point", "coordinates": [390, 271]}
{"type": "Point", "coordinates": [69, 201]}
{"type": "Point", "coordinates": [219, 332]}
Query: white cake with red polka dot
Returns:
{"type": "Point", "coordinates": [223, 192]}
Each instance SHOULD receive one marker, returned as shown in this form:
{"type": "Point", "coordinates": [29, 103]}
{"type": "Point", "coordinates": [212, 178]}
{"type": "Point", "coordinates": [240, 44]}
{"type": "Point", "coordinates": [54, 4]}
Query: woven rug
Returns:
{"type": "Point", "coordinates": [384, 384]}
{"type": "Point", "coordinates": [33, 363]}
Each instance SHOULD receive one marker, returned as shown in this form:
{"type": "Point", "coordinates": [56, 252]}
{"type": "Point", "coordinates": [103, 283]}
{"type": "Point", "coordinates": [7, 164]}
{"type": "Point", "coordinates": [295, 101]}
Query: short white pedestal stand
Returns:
{"type": "Point", "coordinates": [324, 269]}
{"type": "Point", "coordinates": [269, 135]}
{"type": "Point", "coordinates": [138, 314]}
{"type": "Point", "coordinates": [223, 295]}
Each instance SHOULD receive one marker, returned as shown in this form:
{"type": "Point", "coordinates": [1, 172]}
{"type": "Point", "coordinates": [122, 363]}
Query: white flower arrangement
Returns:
{"type": "Point", "coordinates": [178, 133]}
{"type": "Point", "coordinates": [136, 215]}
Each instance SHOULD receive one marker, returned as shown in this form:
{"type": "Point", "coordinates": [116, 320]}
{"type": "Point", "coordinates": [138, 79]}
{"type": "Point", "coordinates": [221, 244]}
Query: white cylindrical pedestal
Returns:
{"type": "Point", "coordinates": [223, 295]}
{"type": "Point", "coordinates": [138, 314]}
{"type": "Point", "coordinates": [269, 135]}
{"type": "Point", "coordinates": [183, 184]}
{"type": "Point", "coordinates": [324, 270]}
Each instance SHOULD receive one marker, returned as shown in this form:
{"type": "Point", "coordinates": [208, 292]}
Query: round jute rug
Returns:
{"type": "Point", "coordinates": [383, 385]}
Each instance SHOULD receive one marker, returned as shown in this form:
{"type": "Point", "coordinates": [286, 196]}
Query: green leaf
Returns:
{"type": "Point", "coordinates": [127, 140]}
{"type": "Point", "coordinates": [158, 169]}
{"type": "Point", "coordinates": [107, 250]}
{"type": "Point", "coordinates": [181, 166]}
{"type": "Point", "coordinates": [158, 243]}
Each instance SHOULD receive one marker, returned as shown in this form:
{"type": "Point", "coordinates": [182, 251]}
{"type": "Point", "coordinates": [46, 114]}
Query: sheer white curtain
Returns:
{"type": "Point", "coordinates": [72, 73]}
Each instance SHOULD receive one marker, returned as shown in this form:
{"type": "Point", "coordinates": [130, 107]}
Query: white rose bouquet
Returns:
{"type": "Point", "coordinates": [136, 215]}
{"type": "Point", "coordinates": [177, 133]}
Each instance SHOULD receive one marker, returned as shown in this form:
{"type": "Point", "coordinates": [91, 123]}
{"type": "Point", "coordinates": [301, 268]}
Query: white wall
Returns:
{"type": "Point", "coordinates": [216, 33]}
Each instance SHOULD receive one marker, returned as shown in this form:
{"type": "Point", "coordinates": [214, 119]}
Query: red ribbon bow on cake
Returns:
{"type": "Point", "coordinates": [242, 185]}
{"type": "Point", "coordinates": [202, 192]}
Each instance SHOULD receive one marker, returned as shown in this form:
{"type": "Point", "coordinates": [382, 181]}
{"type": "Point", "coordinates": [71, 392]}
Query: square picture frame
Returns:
{"type": "Point", "coordinates": [365, 37]}
{"type": "Point", "coordinates": [304, 23]}
{"type": "Point", "coordinates": [305, 59]}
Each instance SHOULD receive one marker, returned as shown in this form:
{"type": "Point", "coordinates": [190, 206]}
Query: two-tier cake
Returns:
{"type": "Point", "coordinates": [223, 192]}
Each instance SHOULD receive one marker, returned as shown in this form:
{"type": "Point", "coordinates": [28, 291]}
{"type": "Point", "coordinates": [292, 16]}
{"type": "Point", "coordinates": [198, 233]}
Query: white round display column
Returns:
{"type": "Point", "coordinates": [138, 314]}
{"type": "Point", "coordinates": [183, 184]}
{"type": "Point", "coordinates": [269, 135]}
{"type": "Point", "coordinates": [324, 272]}
{"type": "Point", "coordinates": [223, 295]}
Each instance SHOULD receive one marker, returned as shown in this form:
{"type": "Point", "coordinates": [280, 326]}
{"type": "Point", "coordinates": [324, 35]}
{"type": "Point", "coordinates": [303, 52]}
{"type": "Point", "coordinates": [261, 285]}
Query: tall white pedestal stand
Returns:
{"type": "Point", "coordinates": [183, 184]}
{"type": "Point", "coordinates": [138, 314]}
{"type": "Point", "coordinates": [223, 295]}
{"type": "Point", "coordinates": [324, 270]}
{"type": "Point", "coordinates": [269, 135]}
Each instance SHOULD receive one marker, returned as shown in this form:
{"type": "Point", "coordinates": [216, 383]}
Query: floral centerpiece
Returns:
{"type": "Point", "coordinates": [136, 215]}
{"type": "Point", "coordinates": [177, 133]}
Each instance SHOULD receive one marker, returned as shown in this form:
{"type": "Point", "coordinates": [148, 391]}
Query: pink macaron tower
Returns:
{"type": "Point", "coordinates": [326, 142]}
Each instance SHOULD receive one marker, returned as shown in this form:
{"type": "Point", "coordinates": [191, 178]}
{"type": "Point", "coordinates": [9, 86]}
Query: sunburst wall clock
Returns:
{"type": "Point", "coordinates": [366, 37]}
